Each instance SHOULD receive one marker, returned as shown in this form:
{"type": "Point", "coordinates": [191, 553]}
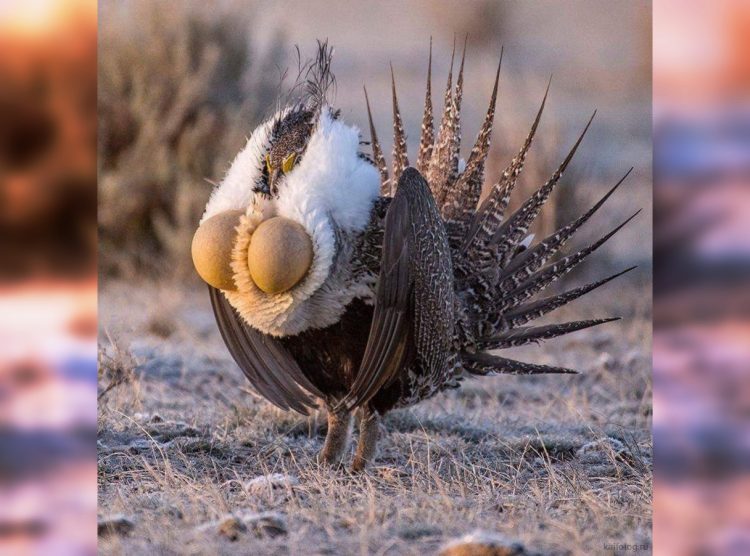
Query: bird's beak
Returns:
{"type": "Point", "coordinates": [273, 181]}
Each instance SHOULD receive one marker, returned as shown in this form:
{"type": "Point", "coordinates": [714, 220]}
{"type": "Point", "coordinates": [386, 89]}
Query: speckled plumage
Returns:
{"type": "Point", "coordinates": [441, 278]}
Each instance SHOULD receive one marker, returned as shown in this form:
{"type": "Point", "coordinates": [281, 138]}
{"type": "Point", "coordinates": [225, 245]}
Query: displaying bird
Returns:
{"type": "Point", "coordinates": [369, 289]}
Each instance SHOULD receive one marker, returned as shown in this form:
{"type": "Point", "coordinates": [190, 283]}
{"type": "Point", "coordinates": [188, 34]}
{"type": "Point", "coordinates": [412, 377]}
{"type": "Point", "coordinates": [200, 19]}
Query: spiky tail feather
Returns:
{"type": "Point", "coordinates": [427, 136]}
{"type": "Point", "coordinates": [497, 269]}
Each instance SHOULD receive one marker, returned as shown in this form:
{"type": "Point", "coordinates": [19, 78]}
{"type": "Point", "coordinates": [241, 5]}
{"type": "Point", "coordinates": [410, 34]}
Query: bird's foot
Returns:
{"type": "Point", "coordinates": [328, 459]}
{"type": "Point", "coordinates": [359, 465]}
{"type": "Point", "coordinates": [369, 427]}
{"type": "Point", "coordinates": [337, 439]}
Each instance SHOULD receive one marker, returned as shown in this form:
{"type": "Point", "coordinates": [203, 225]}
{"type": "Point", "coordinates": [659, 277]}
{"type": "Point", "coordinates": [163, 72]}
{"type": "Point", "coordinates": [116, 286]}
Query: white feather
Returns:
{"type": "Point", "coordinates": [332, 177]}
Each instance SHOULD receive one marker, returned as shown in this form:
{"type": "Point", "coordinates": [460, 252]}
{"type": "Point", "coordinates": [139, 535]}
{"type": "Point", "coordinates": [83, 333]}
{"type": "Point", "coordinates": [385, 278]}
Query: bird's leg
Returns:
{"type": "Point", "coordinates": [369, 427]}
{"type": "Point", "coordinates": [337, 438]}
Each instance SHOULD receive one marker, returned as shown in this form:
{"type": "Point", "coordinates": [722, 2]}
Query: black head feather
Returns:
{"type": "Point", "coordinates": [319, 79]}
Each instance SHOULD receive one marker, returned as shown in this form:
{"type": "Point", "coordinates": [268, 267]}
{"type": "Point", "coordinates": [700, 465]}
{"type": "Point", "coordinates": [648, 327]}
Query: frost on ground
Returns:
{"type": "Point", "coordinates": [192, 462]}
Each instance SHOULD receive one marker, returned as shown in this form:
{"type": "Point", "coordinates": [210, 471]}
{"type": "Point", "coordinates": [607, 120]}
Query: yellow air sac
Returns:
{"type": "Point", "coordinates": [279, 255]}
{"type": "Point", "coordinates": [212, 249]}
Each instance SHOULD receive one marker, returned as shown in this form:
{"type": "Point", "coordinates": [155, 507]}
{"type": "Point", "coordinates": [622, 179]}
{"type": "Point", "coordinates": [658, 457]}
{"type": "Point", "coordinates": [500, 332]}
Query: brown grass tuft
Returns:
{"type": "Point", "coordinates": [116, 366]}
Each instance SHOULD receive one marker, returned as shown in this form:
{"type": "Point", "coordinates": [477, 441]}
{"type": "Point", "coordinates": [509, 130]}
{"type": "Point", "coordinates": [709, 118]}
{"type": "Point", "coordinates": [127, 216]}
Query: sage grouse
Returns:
{"type": "Point", "coordinates": [413, 282]}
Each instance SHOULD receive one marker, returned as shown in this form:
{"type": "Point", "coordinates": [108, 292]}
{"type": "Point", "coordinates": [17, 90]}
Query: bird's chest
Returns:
{"type": "Point", "coordinates": [330, 356]}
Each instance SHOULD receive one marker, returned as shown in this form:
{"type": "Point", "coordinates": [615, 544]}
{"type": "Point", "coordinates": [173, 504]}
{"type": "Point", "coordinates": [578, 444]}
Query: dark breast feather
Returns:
{"type": "Point", "coordinates": [329, 357]}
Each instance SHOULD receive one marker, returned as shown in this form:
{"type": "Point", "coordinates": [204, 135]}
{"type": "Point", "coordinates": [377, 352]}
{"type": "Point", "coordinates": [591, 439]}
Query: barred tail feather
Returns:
{"type": "Point", "coordinates": [460, 81]}
{"type": "Point", "coordinates": [455, 143]}
{"type": "Point", "coordinates": [400, 158]}
{"type": "Point", "coordinates": [439, 170]}
{"type": "Point", "coordinates": [377, 152]}
{"type": "Point", "coordinates": [533, 334]}
{"type": "Point", "coordinates": [427, 136]}
{"type": "Point", "coordinates": [487, 364]}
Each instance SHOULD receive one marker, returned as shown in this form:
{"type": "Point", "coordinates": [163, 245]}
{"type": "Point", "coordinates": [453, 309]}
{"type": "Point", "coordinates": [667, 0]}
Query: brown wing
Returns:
{"type": "Point", "coordinates": [271, 370]}
{"type": "Point", "coordinates": [413, 317]}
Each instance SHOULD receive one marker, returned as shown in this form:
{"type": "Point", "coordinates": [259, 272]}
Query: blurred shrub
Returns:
{"type": "Point", "coordinates": [483, 25]}
{"type": "Point", "coordinates": [178, 93]}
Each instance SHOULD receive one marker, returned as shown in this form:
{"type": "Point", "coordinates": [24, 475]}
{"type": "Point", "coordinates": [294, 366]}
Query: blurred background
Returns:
{"type": "Point", "coordinates": [701, 276]}
{"type": "Point", "coordinates": [48, 277]}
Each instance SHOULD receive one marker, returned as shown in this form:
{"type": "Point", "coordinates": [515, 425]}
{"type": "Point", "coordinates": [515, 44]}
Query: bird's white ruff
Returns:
{"type": "Point", "coordinates": [330, 191]}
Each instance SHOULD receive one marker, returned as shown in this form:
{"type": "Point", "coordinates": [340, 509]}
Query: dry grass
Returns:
{"type": "Point", "coordinates": [115, 367]}
{"type": "Point", "coordinates": [561, 464]}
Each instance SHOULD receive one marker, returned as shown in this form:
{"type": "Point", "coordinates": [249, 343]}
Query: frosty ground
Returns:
{"type": "Point", "coordinates": [192, 462]}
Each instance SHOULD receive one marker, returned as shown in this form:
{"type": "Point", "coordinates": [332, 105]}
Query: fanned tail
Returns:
{"type": "Point", "coordinates": [489, 215]}
{"type": "Point", "coordinates": [531, 260]}
{"type": "Point", "coordinates": [493, 310]}
{"type": "Point", "coordinates": [509, 234]}
{"type": "Point", "coordinates": [530, 311]}
{"type": "Point", "coordinates": [498, 268]}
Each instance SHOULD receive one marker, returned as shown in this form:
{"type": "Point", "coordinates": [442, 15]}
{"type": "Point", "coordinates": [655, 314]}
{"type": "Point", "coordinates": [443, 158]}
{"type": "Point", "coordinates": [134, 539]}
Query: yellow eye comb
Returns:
{"type": "Point", "coordinates": [288, 163]}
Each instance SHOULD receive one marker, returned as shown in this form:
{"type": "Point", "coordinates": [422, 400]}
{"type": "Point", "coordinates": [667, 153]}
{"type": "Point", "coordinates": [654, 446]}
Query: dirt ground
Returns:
{"type": "Point", "coordinates": [192, 462]}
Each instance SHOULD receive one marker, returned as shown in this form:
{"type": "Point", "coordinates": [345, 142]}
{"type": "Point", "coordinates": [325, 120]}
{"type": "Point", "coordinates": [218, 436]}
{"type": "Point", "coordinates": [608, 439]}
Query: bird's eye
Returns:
{"type": "Point", "coordinates": [288, 163]}
{"type": "Point", "coordinates": [269, 167]}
